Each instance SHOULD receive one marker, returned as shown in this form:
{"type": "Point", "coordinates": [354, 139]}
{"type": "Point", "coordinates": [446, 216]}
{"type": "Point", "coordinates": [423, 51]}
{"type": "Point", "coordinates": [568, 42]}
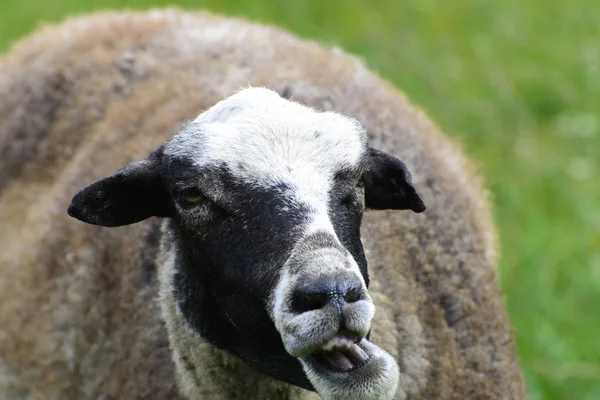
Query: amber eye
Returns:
{"type": "Point", "coordinates": [190, 196]}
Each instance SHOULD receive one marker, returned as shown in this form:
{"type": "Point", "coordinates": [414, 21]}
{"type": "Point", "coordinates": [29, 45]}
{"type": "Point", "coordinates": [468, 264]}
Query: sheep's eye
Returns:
{"type": "Point", "coordinates": [190, 197]}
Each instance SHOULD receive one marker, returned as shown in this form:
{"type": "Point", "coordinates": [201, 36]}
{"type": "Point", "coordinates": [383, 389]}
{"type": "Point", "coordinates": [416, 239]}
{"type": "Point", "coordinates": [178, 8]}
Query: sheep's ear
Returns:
{"type": "Point", "coordinates": [130, 195]}
{"type": "Point", "coordinates": [388, 184]}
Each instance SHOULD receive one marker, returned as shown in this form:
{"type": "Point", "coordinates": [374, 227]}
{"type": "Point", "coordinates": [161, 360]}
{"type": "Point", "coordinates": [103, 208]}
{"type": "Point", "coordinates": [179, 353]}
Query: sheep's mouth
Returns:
{"type": "Point", "coordinates": [342, 354]}
{"type": "Point", "coordinates": [344, 368]}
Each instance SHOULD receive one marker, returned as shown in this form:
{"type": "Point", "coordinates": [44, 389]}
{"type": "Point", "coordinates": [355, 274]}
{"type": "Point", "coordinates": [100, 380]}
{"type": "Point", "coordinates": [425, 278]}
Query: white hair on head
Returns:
{"type": "Point", "coordinates": [263, 138]}
{"type": "Point", "coordinates": [260, 135]}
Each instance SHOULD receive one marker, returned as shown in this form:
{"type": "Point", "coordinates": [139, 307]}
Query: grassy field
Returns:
{"type": "Point", "coordinates": [518, 83]}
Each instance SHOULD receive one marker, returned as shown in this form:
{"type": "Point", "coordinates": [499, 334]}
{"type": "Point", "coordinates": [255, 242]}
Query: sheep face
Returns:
{"type": "Point", "coordinates": [264, 199]}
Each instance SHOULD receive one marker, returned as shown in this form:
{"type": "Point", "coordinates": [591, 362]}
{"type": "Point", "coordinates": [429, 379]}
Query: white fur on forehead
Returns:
{"type": "Point", "coordinates": [260, 135]}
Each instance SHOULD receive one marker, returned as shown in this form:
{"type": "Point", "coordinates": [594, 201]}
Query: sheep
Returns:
{"type": "Point", "coordinates": [256, 173]}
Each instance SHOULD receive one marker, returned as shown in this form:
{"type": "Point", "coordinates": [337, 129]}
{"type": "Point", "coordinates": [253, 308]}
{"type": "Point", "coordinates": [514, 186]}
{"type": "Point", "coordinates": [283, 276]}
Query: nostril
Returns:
{"type": "Point", "coordinates": [353, 295]}
{"type": "Point", "coordinates": [312, 296]}
{"type": "Point", "coordinates": [352, 290]}
{"type": "Point", "coordinates": [316, 295]}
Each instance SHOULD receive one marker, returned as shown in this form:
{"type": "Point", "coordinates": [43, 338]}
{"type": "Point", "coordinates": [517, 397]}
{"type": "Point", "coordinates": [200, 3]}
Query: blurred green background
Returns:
{"type": "Point", "coordinates": [518, 83]}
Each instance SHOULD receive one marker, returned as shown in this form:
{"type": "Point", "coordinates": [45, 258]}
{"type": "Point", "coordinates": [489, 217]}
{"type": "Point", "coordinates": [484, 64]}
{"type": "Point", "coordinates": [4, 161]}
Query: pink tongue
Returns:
{"type": "Point", "coordinates": [347, 359]}
{"type": "Point", "coordinates": [357, 355]}
{"type": "Point", "coordinates": [338, 360]}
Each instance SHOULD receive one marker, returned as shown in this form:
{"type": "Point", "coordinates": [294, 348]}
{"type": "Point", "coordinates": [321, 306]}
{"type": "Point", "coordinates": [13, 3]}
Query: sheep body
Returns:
{"type": "Point", "coordinates": [79, 309]}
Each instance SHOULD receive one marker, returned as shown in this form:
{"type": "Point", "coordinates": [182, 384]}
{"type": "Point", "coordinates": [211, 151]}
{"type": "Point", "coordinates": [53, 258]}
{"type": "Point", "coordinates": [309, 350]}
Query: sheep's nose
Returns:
{"type": "Point", "coordinates": [314, 295]}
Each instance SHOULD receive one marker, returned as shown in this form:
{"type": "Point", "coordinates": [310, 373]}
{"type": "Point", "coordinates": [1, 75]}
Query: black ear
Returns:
{"type": "Point", "coordinates": [388, 184]}
{"type": "Point", "coordinates": [130, 195]}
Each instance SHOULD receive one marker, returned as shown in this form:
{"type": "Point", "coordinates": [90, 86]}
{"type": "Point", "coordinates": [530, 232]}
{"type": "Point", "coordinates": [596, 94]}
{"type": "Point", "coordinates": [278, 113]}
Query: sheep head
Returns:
{"type": "Point", "coordinates": [264, 200]}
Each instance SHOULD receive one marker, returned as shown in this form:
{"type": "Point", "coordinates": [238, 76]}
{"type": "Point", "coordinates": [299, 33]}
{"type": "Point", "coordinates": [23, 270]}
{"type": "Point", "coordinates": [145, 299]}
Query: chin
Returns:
{"type": "Point", "coordinates": [337, 375]}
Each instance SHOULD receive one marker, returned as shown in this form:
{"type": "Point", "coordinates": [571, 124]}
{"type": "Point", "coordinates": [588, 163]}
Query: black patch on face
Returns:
{"type": "Point", "coordinates": [346, 208]}
{"type": "Point", "coordinates": [228, 266]}
{"type": "Point", "coordinates": [180, 169]}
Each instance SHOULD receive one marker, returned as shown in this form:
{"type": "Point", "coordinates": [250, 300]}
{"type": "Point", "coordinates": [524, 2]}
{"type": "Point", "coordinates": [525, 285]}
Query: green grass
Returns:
{"type": "Point", "coordinates": [518, 83]}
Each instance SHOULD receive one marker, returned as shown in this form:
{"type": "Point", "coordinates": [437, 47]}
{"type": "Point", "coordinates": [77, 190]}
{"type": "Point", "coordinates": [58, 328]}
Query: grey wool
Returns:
{"type": "Point", "coordinates": [90, 312]}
